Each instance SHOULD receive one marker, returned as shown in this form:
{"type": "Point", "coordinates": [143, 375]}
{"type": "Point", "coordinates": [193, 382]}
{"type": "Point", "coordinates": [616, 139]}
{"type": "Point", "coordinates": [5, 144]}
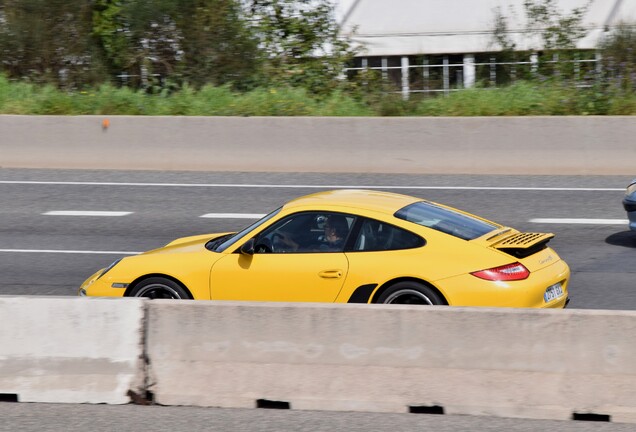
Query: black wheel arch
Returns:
{"type": "Point", "coordinates": [389, 284]}
{"type": "Point", "coordinates": [134, 283]}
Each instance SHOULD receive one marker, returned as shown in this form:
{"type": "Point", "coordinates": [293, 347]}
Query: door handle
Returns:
{"type": "Point", "coordinates": [330, 274]}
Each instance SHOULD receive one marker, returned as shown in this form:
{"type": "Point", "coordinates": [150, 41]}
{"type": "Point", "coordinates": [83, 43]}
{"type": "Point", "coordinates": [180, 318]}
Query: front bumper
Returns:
{"type": "Point", "coordinates": [82, 292]}
{"type": "Point", "coordinates": [96, 287]}
{"type": "Point", "coordinates": [630, 207]}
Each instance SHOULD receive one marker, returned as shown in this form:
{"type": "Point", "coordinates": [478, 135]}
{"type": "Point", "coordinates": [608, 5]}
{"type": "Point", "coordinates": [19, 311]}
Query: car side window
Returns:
{"type": "Point", "coordinates": [380, 236]}
{"type": "Point", "coordinates": [306, 232]}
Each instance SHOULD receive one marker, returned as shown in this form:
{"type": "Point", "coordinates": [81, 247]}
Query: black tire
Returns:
{"type": "Point", "coordinates": [411, 293]}
{"type": "Point", "coordinates": [160, 288]}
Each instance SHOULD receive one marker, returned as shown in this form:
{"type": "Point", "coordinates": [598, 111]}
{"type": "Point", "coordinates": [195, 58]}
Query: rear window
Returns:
{"type": "Point", "coordinates": [379, 236]}
{"type": "Point", "coordinates": [445, 220]}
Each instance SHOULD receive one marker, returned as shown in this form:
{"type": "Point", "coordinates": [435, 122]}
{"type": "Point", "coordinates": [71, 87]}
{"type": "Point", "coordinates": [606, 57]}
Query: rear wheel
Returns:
{"type": "Point", "coordinates": [159, 288]}
{"type": "Point", "coordinates": [411, 293]}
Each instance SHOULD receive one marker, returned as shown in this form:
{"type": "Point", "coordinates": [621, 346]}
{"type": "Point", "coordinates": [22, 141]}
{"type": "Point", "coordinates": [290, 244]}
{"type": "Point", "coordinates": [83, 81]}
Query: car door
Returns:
{"type": "Point", "coordinates": [381, 252]}
{"type": "Point", "coordinates": [290, 263]}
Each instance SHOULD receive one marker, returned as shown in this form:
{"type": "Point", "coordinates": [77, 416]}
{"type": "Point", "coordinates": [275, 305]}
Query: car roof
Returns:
{"type": "Point", "coordinates": [383, 202]}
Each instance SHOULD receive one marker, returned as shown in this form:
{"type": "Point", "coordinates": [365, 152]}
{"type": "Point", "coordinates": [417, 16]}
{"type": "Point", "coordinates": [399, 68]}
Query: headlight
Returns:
{"type": "Point", "coordinates": [107, 269]}
{"type": "Point", "coordinates": [630, 189]}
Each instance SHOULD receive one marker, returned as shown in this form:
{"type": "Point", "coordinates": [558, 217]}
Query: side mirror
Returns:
{"type": "Point", "coordinates": [248, 247]}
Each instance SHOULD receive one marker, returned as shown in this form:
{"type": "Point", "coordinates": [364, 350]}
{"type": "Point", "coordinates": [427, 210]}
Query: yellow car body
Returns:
{"type": "Point", "coordinates": [435, 255]}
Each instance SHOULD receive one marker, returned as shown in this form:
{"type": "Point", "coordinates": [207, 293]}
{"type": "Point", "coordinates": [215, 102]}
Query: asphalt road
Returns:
{"type": "Point", "coordinates": [44, 254]}
{"type": "Point", "coordinates": [106, 418]}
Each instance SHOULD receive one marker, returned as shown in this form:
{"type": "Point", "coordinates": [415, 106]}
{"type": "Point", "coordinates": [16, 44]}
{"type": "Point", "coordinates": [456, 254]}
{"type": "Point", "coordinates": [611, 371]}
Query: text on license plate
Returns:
{"type": "Point", "coordinates": [553, 292]}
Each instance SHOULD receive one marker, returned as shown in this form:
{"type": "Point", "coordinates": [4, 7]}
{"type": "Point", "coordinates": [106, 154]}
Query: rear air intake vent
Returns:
{"type": "Point", "coordinates": [269, 404]}
{"type": "Point", "coordinates": [521, 239]}
{"type": "Point", "coordinates": [422, 409]}
{"type": "Point", "coordinates": [524, 244]}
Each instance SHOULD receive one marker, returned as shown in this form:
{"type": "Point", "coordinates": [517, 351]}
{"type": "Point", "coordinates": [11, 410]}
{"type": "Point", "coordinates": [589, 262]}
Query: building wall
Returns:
{"type": "Point", "coordinates": [411, 27]}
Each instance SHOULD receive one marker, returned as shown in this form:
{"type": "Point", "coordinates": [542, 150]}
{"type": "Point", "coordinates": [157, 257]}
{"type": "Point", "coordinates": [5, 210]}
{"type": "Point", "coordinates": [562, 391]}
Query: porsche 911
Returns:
{"type": "Point", "coordinates": [351, 246]}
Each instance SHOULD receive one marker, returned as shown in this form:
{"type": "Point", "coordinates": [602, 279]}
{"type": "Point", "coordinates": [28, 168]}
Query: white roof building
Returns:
{"type": "Point", "coordinates": [413, 27]}
{"type": "Point", "coordinates": [393, 34]}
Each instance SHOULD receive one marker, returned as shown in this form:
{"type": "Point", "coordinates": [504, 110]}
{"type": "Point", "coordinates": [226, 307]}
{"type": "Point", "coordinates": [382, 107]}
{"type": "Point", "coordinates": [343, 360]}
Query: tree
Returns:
{"type": "Point", "coordinates": [218, 45]}
{"type": "Point", "coordinates": [300, 41]}
{"type": "Point", "coordinates": [140, 39]}
{"type": "Point", "coordinates": [195, 41]}
{"type": "Point", "coordinates": [558, 31]}
{"type": "Point", "coordinates": [618, 50]}
{"type": "Point", "coordinates": [555, 34]}
{"type": "Point", "coordinates": [48, 41]}
{"type": "Point", "coordinates": [239, 42]}
{"type": "Point", "coordinates": [501, 31]}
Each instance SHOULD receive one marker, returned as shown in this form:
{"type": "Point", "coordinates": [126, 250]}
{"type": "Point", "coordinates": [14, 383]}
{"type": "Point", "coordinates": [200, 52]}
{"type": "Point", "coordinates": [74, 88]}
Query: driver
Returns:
{"type": "Point", "coordinates": [336, 229]}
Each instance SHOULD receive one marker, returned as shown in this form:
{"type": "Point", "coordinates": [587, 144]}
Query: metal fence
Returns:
{"type": "Point", "coordinates": [446, 74]}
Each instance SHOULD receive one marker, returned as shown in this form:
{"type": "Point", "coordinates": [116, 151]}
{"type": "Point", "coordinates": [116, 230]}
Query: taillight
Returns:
{"type": "Point", "coordinates": [508, 272]}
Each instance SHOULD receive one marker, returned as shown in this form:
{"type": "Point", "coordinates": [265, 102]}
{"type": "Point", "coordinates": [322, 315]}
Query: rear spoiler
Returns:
{"type": "Point", "coordinates": [521, 245]}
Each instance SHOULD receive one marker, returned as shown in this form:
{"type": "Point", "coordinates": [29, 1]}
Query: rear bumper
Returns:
{"type": "Point", "coordinates": [467, 290]}
{"type": "Point", "coordinates": [560, 303]}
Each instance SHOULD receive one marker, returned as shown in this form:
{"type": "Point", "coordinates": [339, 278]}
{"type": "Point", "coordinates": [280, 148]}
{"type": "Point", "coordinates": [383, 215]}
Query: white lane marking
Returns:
{"type": "Point", "coordinates": [56, 251]}
{"type": "Point", "coordinates": [233, 215]}
{"type": "Point", "coordinates": [580, 221]}
{"type": "Point", "coordinates": [283, 186]}
{"type": "Point", "coordinates": [85, 213]}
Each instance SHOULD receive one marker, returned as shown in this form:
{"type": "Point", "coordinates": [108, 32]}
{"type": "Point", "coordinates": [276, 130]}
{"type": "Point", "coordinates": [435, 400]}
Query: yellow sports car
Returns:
{"type": "Point", "coordinates": [351, 246]}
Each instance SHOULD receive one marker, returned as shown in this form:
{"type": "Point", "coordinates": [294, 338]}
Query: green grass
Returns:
{"type": "Point", "coordinates": [521, 99]}
{"type": "Point", "coordinates": [530, 99]}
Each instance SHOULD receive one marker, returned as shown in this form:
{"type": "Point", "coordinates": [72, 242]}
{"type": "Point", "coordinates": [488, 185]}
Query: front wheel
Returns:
{"type": "Point", "coordinates": [411, 293]}
{"type": "Point", "coordinates": [159, 288]}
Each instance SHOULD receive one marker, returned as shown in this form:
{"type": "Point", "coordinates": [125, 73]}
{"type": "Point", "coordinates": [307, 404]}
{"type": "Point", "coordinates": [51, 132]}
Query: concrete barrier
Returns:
{"type": "Point", "coordinates": [498, 362]}
{"type": "Point", "coordinates": [549, 364]}
{"type": "Point", "coordinates": [70, 350]}
{"type": "Point", "coordinates": [419, 145]}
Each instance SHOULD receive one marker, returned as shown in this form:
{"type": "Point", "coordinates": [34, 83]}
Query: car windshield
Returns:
{"type": "Point", "coordinates": [445, 220]}
{"type": "Point", "coordinates": [217, 246]}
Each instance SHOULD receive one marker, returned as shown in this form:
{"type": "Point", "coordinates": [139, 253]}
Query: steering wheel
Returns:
{"type": "Point", "coordinates": [277, 242]}
{"type": "Point", "coordinates": [264, 245]}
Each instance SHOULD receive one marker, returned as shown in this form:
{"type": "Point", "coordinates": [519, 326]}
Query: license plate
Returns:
{"type": "Point", "coordinates": [553, 292]}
